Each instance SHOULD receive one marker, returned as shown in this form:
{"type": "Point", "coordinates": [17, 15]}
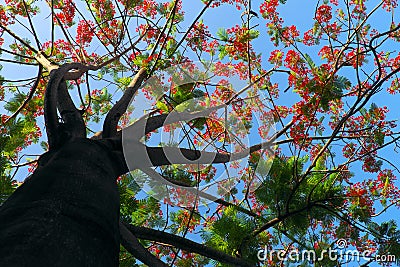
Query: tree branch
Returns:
{"type": "Point", "coordinates": [50, 110]}
{"type": "Point", "coordinates": [113, 116]}
{"type": "Point", "coordinates": [133, 246]}
{"type": "Point", "coordinates": [148, 124]}
{"type": "Point", "coordinates": [173, 155]}
{"type": "Point", "coordinates": [29, 97]}
{"type": "Point", "coordinates": [51, 97]}
{"type": "Point", "coordinates": [71, 116]}
{"type": "Point", "coordinates": [186, 245]}
{"type": "Point", "coordinates": [18, 38]}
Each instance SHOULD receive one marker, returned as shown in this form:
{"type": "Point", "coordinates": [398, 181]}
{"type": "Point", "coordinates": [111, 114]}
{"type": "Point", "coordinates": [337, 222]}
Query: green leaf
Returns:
{"type": "Point", "coordinates": [15, 102]}
{"type": "Point", "coordinates": [253, 34]}
{"type": "Point", "coordinates": [124, 81]}
{"type": "Point", "coordinates": [341, 83]}
{"type": "Point", "coordinates": [44, 145]}
{"type": "Point", "coordinates": [222, 52]}
{"type": "Point", "coordinates": [222, 34]}
{"type": "Point", "coordinates": [310, 61]}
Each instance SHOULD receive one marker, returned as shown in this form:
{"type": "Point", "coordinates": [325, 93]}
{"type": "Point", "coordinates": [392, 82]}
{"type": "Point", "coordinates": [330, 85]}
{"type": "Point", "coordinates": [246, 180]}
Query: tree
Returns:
{"type": "Point", "coordinates": [320, 177]}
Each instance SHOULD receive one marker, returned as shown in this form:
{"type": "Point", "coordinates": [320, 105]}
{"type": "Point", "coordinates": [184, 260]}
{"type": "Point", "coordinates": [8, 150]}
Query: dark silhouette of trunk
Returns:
{"type": "Point", "coordinates": [67, 212]}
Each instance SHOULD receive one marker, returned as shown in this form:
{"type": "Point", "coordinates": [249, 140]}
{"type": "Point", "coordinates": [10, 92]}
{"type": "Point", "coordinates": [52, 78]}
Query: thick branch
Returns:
{"type": "Point", "coordinates": [80, 68]}
{"type": "Point", "coordinates": [71, 116]}
{"type": "Point", "coordinates": [113, 116]}
{"type": "Point", "coordinates": [51, 97]}
{"type": "Point", "coordinates": [50, 110]}
{"type": "Point", "coordinates": [187, 245]}
{"type": "Point", "coordinates": [148, 124]}
{"type": "Point", "coordinates": [133, 246]}
{"type": "Point", "coordinates": [47, 64]}
{"type": "Point", "coordinates": [173, 155]}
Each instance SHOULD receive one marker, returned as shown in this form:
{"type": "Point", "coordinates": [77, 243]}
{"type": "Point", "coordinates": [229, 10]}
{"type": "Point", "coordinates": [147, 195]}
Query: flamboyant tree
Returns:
{"type": "Point", "coordinates": [263, 132]}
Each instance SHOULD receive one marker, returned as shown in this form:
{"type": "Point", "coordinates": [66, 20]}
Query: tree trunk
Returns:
{"type": "Point", "coordinates": [67, 212]}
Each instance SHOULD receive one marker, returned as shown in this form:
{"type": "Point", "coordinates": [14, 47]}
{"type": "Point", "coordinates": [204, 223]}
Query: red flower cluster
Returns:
{"type": "Point", "coordinates": [289, 35]}
{"type": "Point", "coordinates": [84, 32]}
{"type": "Point", "coordinates": [231, 69]}
{"type": "Point", "coordinates": [356, 58]}
{"type": "Point", "coordinates": [389, 5]}
{"type": "Point", "coordinates": [67, 14]}
{"type": "Point", "coordinates": [276, 57]}
{"type": "Point", "coordinates": [238, 3]}
{"type": "Point", "coordinates": [358, 196]}
{"type": "Point", "coordinates": [394, 86]}
{"type": "Point", "coordinates": [17, 7]}
{"type": "Point", "coordinates": [147, 8]}
{"type": "Point", "coordinates": [238, 40]}
{"type": "Point", "coordinates": [334, 2]}
{"type": "Point", "coordinates": [385, 184]}
{"type": "Point", "coordinates": [328, 53]}
{"type": "Point", "coordinates": [223, 90]}
{"type": "Point", "coordinates": [4, 18]}
{"type": "Point", "coordinates": [30, 137]}
{"type": "Point", "coordinates": [268, 9]}
{"type": "Point", "coordinates": [32, 167]}
{"type": "Point", "coordinates": [294, 62]}
{"type": "Point", "coordinates": [104, 9]}
{"type": "Point", "coordinates": [323, 14]}
{"type": "Point", "coordinates": [61, 48]}
{"type": "Point", "coordinates": [148, 30]}
{"type": "Point", "coordinates": [4, 118]}
{"type": "Point", "coordinates": [349, 150]}
{"type": "Point", "coordinates": [198, 37]}
{"type": "Point", "coordinates": [111, 32]}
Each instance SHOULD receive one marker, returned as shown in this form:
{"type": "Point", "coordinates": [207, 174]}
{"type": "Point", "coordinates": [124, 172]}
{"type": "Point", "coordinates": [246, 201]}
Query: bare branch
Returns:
{"type": "Point", "coordinates": [71, 116]}
{"type": "Point", "coordinates": [31, 24]}
{"type": "Point", "coordinates": [173, 155]}
{"type": "Point", "coordinates": [133, 246]}
{"type": "Point", "coordinates": [113, 116]}
{"type": "Point", "coordinates": [186, 245]}
{"type": "Point", "coordinates": [51, 97]}
{"type": "Point", "coordinates": [50, 109]}
{"type": "Point", "coordinates": [158, 156]}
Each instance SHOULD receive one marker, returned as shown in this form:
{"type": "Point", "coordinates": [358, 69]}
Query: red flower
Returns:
{"type": "Point", "coordinates": [323, 14]}
{"type": "Point", "coordinates": [84, 32]}
{"type": "Point", "coordinates": [268, 7]}
{"type": "Point", "coordinates": [276, 57]}
{"type": "Point", "coordinates": [67, 14]}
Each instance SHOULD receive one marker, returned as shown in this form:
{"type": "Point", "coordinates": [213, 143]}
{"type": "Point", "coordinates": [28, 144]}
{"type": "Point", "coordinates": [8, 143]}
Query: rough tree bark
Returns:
{"type": "Point", "coordinates": [67, 212]}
